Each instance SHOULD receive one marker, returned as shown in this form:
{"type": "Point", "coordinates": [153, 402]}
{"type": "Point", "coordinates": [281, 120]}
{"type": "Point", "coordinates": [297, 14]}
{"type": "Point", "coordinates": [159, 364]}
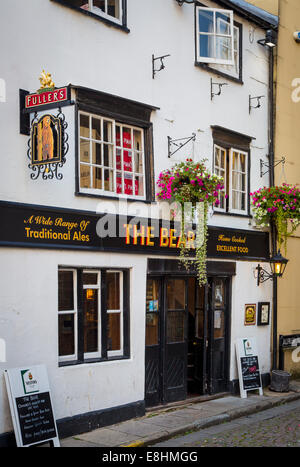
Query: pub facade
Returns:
{"type": "Point", "coordinates": [91, 282]}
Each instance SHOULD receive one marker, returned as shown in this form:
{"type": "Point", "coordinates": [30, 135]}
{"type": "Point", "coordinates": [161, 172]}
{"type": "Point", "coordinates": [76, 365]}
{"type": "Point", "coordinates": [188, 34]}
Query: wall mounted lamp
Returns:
{"type": "Point", "coordinates": [270, 39]}
{"type": "Point", "coordinates": [277, 263]}
{"type": "Point", "coordinates": [162, 65]}
{"type": "Point", "coordinates": [220, 85]}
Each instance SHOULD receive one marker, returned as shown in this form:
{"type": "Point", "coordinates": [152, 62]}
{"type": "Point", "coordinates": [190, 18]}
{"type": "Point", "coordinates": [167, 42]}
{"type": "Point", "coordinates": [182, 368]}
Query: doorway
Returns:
{"type": "Point", "coordinates": [187, 338]}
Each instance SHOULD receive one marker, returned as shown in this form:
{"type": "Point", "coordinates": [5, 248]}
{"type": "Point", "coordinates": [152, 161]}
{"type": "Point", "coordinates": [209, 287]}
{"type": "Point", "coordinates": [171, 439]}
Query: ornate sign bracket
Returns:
{"type": "Point", "coordinates": [47, 146]}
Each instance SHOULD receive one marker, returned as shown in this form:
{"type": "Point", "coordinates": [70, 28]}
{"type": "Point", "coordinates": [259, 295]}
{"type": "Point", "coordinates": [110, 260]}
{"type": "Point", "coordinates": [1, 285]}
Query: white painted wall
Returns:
{"type": "Point", "coordinates": [40, 34]}
{"type": "Point", "coordinates": [29, 304]}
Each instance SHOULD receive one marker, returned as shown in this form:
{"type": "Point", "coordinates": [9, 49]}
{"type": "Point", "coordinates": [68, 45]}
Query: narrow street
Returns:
{"type": "Point", "coordinates": [276, 427]}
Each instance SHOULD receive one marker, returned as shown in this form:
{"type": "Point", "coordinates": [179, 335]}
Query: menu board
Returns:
{"type": "Point", "coordinates": [31, 407]}
{"type": "Point", "coordinates": [248, 366]}
{"type": "Point", "coordinates": [250, 372]}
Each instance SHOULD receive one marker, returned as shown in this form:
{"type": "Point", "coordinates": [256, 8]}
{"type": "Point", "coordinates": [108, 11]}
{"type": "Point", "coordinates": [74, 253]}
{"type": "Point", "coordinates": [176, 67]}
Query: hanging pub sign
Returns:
{"type": "Point", "coordinates": [47, 146]}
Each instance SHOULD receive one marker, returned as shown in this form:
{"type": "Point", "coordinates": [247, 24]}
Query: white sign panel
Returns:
{"type": "Point", "coordinates": [30, 404]}
{"type": "Point", "coordinates": [248, 366]}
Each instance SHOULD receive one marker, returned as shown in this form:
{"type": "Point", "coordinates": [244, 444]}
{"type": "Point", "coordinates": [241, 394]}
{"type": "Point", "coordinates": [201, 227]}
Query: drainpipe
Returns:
{"type": "Point", "coordinates": [272, 183]}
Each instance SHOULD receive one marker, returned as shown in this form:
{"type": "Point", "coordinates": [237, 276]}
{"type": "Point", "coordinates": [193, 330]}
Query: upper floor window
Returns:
{"type": "Point", "coordinates": [110, 10]}
{"type": "Point", "coordinates": [232, 161]}
{"type": "Point", "coordinates": [112, 160]}
{"type": "Point", "coordinates": [114, 147]}
{"type": "Point", "coordinates": [215, 36]}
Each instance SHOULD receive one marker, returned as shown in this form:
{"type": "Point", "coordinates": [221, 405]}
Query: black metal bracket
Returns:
{"type": "Point", "coordinates": [177, 144]}
{"type": "Point", "coordinates": [262, 275]}
{"type": "Point", "coordinates": [270, 166]}
{"type": "Point", "coordinates": [220, 85]}
{"type": "Point", "coordinates": [162, 65]}
{"type": "Point", "coordinates": [258, 98]}
{"type": "Point", "coordinates": [189, 2]}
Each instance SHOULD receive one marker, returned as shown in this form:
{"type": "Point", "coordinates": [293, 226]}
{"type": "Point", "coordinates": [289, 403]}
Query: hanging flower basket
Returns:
{"type": "Point", "coordinates": [193, 189]}
{"type": "Point", "coordinates": [279, 205]}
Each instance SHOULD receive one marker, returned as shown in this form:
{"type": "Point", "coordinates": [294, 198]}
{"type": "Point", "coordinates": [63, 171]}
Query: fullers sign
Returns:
{"type": "Point", "coordinates": [32, 226]}
{"type": "Point", "coordinates": [57, 96]}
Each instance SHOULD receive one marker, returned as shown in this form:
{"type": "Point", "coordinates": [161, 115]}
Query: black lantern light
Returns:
{"type": "Point", "coordinates": [270, 39]}
{"type": "Point", "coordinates": [277, 263]}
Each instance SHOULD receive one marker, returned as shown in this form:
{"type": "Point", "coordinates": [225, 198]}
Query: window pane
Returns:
{"type": "Point", "coordinates": [127, 161]}
{"type": "Point", "coordinates": [65, 291]}
{"type": "Point", "coordinates": [90, 278]}
{"type": "Point", "coordinates": [138, 163]}
{"type": "Point", "coordinates": [235, 160]}
{"type": "Point", "coordinates": [113, 8]}
{"type": "Point", "coordinates": [127, 142]}
{"type": "Point", "coordinates": [113, 331]}
{"type": "Point", "coordinates": [113, 290]}
{"type": "Point", "coordinates": [175, 326]}
{"type": "Point", "coordinates": [151, 329]}
{"type": "Point", "coordinates": [90, 310]}
{"type": "Point", "coordinates": [85, 176]}
{"type": "Point", "coordinates": [206, 21]}
{"type": "Point", "coordinates": [236, 200]}
{"type": "Point", "coordinates": [207, 48]}
{"type": "Point", "coordinates": [223, 23]}
{"type": "Point", "coordinates": [108, 155]}
{"type": "Point", "coordinates": [66, 336]}
{"type": "Point", "coordinates": [119, 182]}
{"type": "Point", "coordinates": [128, 184]}
{"type": "Point", "coordinates": [139, 186]}
{"type": "Point", "coordinates": [137, 139]}
{"type": "Point", "coordinates": [219, 293]}
{"type": "Point", "coordinates": [242, 162]}
{"type": "Point", "coordinates": [152, 303]}
{"type": "Point", "coordinates": [176, 294]}
{"type": "Point", "coordinates": [96, 128]}
{"type": "Point", "coordinates": [84, 151]}
{"type": "Point", "coordinates": [99, 4]}
{"type": "Point", "coordinates": [109, 180]}
{"type": "Point", "coordinates": [97, 178]}
{"type": "Point", "coordinates": [107, 131]}
{"type": "Point", "coordinates": [219, 323]}
{"type": "Point", "coordinates": [97, 153]}
{"type": "Point", "coordinates": [217, 157]}
{"type": "Point", "coordinates": [223, 46]}
{"type": "Point", "coordinates": [84, 126]}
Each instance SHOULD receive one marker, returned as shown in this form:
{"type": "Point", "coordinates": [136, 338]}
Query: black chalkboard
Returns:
{"type": "Point", "coordinates": [250, 372]}
{"type": "Point", "coordinates": [36, 418]}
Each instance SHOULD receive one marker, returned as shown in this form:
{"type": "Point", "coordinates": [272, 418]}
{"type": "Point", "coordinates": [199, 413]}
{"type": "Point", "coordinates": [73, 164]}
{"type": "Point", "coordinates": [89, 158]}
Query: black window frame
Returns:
{"type": "Point", "coordinates": [103, 316]}
{"type": "Point", "coordinates": [206, 66]}
{"type": "Point", "coordinates": [122, 27]}
{"type": "Point", "coordinates": [123, 111]}
{"type": "Point", "coordinates": [230, 139]}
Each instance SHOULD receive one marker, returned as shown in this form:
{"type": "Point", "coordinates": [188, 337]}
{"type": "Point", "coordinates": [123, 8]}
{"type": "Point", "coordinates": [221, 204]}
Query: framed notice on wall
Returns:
{"type": "Point", "coordinates": [250, 315]}
{"type": "Point", "coordinates": [263, 315]}
{"type": "Point", "coordinates": [30, 405]}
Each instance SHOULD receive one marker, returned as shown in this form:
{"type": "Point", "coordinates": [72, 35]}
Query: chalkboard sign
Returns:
{"type": "Point", "coordinates": [248, 366]}
{"type": "Point", "coordinates": [250, 372]}
{"type": "Point", "coordinates": [31, 407]}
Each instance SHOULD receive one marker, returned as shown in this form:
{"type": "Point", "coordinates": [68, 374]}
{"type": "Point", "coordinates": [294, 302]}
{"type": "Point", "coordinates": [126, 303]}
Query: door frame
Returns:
{"type": "Point", "coordinates": [162, 269]}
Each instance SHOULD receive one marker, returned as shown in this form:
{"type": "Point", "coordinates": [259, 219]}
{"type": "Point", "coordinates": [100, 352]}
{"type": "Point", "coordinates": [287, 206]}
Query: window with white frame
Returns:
{"type": "Point", "coordinates": [232, 165]}
{"type": "Point", "coordinates": [91, 315]}
{"type": "Point", "coordinates": [111, 157]}
{"type": "Point", "coordinates": [108, 9]}
{"type": "Point", "coordinates": [214, 36]}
